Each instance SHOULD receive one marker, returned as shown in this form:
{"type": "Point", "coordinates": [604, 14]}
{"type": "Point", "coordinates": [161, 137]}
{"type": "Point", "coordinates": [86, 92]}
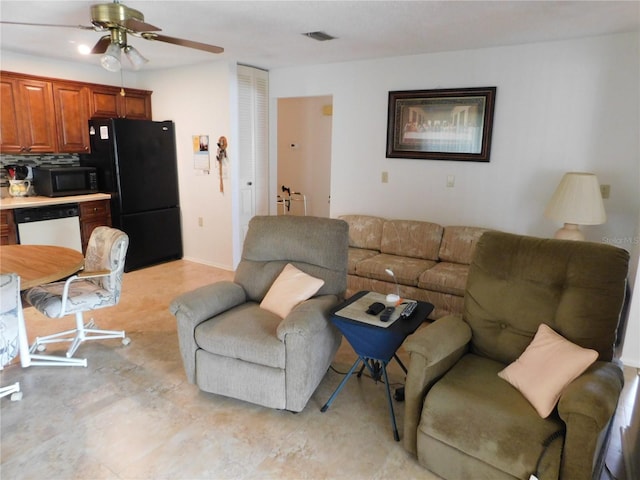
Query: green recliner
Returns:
{"type": "Point", "coordinates": [463, 420]}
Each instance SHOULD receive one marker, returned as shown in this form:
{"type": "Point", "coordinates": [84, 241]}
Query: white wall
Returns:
{"type": "Point", "coordinates": [199, 100]}
{"type": "Point", "coordinates": [560, 106]}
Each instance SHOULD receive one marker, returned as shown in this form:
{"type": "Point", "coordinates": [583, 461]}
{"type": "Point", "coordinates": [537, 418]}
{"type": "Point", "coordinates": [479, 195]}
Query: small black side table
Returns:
{"type": "Point", "coordinates": [376, 346]}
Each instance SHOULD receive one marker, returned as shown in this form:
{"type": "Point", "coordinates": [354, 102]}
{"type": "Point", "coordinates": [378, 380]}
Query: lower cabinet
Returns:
{"type": "Point", "coordinates": [93, 214]}
{"type": "Point", "coordinates": [8, 231]}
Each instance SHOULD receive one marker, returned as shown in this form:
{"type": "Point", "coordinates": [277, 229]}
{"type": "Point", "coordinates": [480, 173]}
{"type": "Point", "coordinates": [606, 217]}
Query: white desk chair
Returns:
{"type": "Point", "coordinates": [11, 321]}
{"type": "Point", "coordinates": [98, 286]}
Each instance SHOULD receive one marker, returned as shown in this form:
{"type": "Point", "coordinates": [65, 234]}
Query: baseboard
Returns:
{"type": "Point", "coordinates": [209, 264]}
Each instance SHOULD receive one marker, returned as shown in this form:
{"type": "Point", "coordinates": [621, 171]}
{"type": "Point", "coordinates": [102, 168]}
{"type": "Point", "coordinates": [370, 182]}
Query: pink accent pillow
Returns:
{"type": "Point", "coordinates": [292, 287]}
{"type": "Point", "coordinates": [546, 367]}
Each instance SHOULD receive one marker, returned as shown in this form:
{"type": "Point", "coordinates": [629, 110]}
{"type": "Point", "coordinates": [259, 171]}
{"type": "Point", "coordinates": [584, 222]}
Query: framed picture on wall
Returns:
{"type": "Point", "coordinates": [446, 124]}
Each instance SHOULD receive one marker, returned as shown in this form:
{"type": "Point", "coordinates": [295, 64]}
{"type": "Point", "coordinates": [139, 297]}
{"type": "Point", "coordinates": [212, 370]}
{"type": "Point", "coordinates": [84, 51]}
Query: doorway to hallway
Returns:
{"type": "Point", "coordinates": [304, 155]}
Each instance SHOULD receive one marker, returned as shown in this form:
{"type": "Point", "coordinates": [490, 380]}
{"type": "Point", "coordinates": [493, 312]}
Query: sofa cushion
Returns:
{"type": "Point", "coordinates": [365, 231]}
{"type": "Point", "coordinates": [546, 367]}
{"type": "Point", "coordinates": [459, 243]}
{"type": "Point", "coordinates": [410, 238]}
{"type": "Point", "coordinates": [247, 333]}
{"type": "Point", "coordinates": [407, 270]}
{"type": "Point", "coordinates": [445, 277]}
{"type": "Point", "coordinates": [356, 255]}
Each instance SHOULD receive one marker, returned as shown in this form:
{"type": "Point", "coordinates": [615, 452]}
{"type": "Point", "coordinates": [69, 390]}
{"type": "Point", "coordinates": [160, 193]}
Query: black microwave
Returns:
{"type": "Point", "coordinates": [51, 181]}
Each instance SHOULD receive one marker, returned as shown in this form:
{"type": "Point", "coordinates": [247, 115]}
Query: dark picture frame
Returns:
{"type": "Point", "coordinates": [444, 124]}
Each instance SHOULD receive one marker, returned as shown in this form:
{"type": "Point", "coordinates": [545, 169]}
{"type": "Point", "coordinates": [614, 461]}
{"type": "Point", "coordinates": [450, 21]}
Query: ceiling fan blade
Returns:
{"type": "Point", "coordinates": [138, 26]}
{"type": "Point", "coordinates": [102, 44]}
{"type": "Point", "coordinates": [183, 43]}
{"type": "Point", "coordinates": [28, 24]}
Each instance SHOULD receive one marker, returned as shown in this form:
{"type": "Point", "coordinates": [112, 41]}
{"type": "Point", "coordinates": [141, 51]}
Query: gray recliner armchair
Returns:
{"type": "Point", "coordinates": [233, 347]}
{"type": "Point", "coordinates": [462, 419]}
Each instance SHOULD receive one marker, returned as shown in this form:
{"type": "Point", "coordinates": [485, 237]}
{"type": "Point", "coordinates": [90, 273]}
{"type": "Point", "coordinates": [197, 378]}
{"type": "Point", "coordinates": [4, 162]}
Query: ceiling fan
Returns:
{"type": "Point", "coordinates": [120, 21]}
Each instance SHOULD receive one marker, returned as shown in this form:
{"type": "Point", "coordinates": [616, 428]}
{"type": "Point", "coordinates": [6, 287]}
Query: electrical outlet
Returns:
{"type": "Point", "coordinates": [200, 222]}
{"type": "Point", "coordinates": [385, 177]}
{"type": "Point", "coordinates": [605, 190]}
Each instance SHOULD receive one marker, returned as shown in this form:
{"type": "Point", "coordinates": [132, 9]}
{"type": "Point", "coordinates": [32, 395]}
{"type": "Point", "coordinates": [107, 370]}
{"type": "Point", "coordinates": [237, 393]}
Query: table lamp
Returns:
{"type": "Point", "coordinates": [576, 201]}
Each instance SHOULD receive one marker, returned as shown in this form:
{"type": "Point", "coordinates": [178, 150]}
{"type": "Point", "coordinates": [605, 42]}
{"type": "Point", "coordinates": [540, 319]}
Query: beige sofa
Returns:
{"type": "Point", "coordinates": [430, 262]}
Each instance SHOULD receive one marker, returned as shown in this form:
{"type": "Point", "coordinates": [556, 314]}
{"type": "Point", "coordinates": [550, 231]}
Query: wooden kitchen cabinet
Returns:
{"type": "Point", "coordinates": [71, 103]}
{"type": "Point", "coordinates": [108, 102]}
{"type": "Point", "coordinates": [10, 128]}
{"type": "Point", "coordinates": [8, 230]}
{"type": "Point", "coordinates": [93, 214]}
{"type": "Point", "coordinates": [48, 115]}
{"type": "Point", "coordinates": [28, 123]}
{"type": "Point", "coordinates": [104, 103]}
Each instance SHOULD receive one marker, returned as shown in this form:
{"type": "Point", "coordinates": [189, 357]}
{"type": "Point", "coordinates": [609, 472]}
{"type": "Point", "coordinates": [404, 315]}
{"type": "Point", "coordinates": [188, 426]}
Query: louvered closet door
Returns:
{"type": "Point", "coordinates": [253, 116]}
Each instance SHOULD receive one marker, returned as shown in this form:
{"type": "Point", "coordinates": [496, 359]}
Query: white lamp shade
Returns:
{"type": "Point", "coordinates": [577, 200]}
{"type": "Point", "coordinates": [135, 57]}
{"type": "Point", "coordinates": [111, 58]}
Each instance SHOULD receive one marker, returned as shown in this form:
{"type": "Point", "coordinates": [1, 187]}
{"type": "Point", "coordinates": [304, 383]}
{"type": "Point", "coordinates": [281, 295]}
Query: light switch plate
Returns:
{"type": "Point", "coordinates": [451, 180]}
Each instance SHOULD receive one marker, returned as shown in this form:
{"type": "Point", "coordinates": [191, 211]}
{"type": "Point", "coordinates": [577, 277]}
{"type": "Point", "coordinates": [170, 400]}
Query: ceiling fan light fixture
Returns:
{"type": "Point", "coordinates": [111, 58]}
{"type": "Point", "coordinates": [135, 57]}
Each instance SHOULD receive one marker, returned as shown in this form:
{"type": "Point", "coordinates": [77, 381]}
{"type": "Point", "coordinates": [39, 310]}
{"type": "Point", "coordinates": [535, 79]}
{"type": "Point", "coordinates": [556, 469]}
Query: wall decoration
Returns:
{"type": "Point", "coordinates": [446, 124]}
{"type": "Point", "coordinates": [201, 153]}
{"type": "Point", "coordinates": [221, 156]}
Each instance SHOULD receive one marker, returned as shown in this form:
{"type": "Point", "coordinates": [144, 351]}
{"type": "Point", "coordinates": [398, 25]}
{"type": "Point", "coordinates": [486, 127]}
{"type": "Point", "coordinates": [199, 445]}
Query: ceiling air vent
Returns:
{"type": "Point", "coordinates": [319, 36]}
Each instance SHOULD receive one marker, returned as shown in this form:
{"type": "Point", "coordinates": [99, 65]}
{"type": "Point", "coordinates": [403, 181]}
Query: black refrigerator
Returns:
{"type": "Point", "coordinates": [136, 164]}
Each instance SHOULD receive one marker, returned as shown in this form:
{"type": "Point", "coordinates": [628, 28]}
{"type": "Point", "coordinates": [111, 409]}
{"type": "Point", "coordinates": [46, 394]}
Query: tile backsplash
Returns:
{"type": "Point", "coordinates": [63, 159]}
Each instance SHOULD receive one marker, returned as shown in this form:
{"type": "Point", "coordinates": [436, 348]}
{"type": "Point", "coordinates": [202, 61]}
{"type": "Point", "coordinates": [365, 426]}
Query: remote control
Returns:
{"type": "Point", "coordinates": [408, 309]}
{"type": "Point", "coordinates": [386, 315]}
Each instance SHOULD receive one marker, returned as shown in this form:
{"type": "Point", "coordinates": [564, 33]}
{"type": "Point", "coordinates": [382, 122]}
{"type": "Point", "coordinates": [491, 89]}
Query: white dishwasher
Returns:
{"type": "Point", "coordinates": [52, 225]}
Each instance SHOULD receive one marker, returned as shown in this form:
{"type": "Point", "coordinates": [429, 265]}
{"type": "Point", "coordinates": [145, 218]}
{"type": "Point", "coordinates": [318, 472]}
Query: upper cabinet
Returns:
{"type": "Point", "coordinates": [28, 123]}
{"type": "Point", "coordinates": [10, 130]}
{"type": "Point", "coordinates": [71, 102]}
{"type": "Point", "coordinates": [43, 115]}
{"type": "Point", "coordinates": [109, 102]}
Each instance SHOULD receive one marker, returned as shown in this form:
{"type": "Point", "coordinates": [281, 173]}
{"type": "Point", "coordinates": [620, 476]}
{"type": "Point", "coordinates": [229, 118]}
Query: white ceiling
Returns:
{"type": "Point", "coordinates": [267, 34]}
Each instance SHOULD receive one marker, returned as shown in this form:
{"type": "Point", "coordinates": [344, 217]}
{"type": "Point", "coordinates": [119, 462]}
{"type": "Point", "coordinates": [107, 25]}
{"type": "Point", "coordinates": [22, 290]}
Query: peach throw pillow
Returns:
{"type": "Point", "coordinates": [292, 287]}
{"type": "Point", "coordinates": [546, 367]}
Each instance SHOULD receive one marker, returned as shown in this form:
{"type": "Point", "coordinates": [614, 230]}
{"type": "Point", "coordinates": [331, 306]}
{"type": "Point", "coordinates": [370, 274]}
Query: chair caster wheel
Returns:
{"type": "Point", "coordinates": [126, 341]}
{"type": "Point", "coordinates": [16, 397]}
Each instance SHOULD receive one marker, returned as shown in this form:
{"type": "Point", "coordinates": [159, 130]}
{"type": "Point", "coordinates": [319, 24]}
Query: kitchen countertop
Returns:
{"type": "Point", "coordinates": [10, 203]}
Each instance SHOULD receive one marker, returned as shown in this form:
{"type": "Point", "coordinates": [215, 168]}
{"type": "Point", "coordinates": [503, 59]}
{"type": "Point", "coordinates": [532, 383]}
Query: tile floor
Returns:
{"type": "Point", "coordinates": [131, 414]}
